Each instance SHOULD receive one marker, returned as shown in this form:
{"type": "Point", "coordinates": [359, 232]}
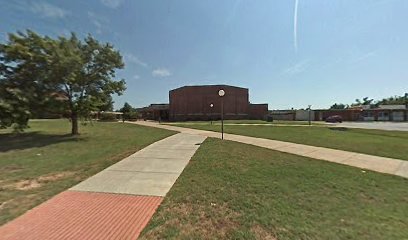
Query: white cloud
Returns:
{"type": "Point", "coordinates": [297, 68]}
{"type": "Point", "coordinates": [112, 3]}
{"type": "Point", "coordinates": [47, 10]}
{"type": "Point", "coordinates": [133, 59]}
{"type": "Point", "coordinates": [365, 56]}
{"type": "Point", "coordinates": [136, 76]}
{"type": "Point", "coordinates": [161, 72]}
{"type": "Point", "coordinates": [98, 21]}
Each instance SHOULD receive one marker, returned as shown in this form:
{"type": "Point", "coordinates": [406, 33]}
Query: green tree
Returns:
{"type": "Point", "coordinates": [13, 108]}
{"type": "Point", "coordinates": [127, 111]}
{"type": "Point", "coordinates": [76, 75]}
{"type": "Point", "coordinates": [127, 108]}
{"type": "Point", "coordinates": [395, 100]}
{"type": "Point", "coordinates": [338, 106]}
{"type": "Point", "coordinates": [106, 104]}
{"type": "Point", "coordinates": [367, 101]}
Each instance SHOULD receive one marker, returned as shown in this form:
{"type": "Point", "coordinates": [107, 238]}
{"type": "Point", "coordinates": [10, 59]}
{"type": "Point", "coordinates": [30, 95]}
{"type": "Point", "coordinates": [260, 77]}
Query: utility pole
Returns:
{"type": "Point", "coordinates": [406, 107]}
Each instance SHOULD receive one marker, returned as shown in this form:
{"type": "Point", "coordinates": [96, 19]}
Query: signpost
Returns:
{"type": "Point", "coordinates": [221, 93]}
{"type": "Point", "coordinates": [211, 110]}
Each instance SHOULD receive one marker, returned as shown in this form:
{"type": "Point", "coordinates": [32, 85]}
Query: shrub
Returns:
{"type": "Point", "coordinates": [131, 116]}
{"type": "Point", "coordinates": [107, 117]}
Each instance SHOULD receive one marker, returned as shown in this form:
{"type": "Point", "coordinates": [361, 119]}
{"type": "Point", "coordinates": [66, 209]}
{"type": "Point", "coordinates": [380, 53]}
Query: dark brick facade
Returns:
{"type": "Point", "coordinates": [193, 103]}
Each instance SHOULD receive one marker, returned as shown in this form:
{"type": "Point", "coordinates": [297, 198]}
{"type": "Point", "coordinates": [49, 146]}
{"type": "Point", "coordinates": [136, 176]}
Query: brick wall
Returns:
{"type": "Point", "coordinates": [258, 111]}
{"type": "Point", "coordinates": [193, 103]}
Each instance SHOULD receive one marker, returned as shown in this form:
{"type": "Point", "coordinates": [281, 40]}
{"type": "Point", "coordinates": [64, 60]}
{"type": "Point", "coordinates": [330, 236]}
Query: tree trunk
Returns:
{"type": "Point", "coordinates": [74, 122]}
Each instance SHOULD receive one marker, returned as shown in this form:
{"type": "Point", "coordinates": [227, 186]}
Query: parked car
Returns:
{"type": "Point", "coordinates": [334, 119]}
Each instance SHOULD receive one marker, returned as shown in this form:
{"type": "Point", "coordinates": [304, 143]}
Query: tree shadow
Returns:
{"type": "Point", "coordinates": [13, 141]}
{"type": "Point", "coordinates": [338, 128]}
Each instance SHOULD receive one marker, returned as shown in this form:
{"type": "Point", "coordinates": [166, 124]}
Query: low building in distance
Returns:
{"type": "Point", "coordinates": [395, 113]}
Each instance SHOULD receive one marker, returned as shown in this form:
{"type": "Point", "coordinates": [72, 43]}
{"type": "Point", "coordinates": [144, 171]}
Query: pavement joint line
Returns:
{"type": "Point", "coordinates": [112, 193]}
{"type": "Point", "coordinates": [116, 193]}
{"type": "Point", "coordinates": [348, 158]}
{"type": "Point", "coordinates": [119, 170]}
{"type": "Point", "coordinates": [315, 150]}
{"type": "Point", "coordinates": [399, 167]}
{"type": "Point", "coordinates": [168, 158]}
{"type": "Point", "coordinates": [275, 148]}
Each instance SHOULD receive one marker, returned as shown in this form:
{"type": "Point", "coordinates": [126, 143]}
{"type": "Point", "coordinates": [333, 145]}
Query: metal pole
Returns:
{"type": "Point", "coordinates": [211, 111]}
{"type": "Point", "coordinates": [406, 107]}
{"type": "Point", "coordinates": [222, 118]}
{"type": "Point", "coordinates": [211, 114]}
{"type": "Point", "coordinates": [309, 114]}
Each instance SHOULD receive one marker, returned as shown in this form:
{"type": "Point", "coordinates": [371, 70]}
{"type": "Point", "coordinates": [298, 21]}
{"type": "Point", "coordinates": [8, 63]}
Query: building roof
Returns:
{"type": "Point", "coordinates": [392, 107]}
{"type": "Point", "coordinates": [154, 106]}
{"type": "Point", "coordinates": [215, 85]}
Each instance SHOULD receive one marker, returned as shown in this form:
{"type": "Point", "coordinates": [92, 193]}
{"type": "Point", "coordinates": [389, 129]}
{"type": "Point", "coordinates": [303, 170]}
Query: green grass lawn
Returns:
{"type": "Point", "coordinates": [45, 160]}
{"type": "Point", "coordinates": [237, 191]}
{"type": "Point", "coordinates": [392, 144]}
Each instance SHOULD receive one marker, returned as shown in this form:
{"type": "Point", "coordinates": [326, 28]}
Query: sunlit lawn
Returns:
{"type": "Point", "coordinates": [231, 190]}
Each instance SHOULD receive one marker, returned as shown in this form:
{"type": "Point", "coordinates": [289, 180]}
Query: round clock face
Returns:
{"type": "Point", "coordinates": [221, 93]}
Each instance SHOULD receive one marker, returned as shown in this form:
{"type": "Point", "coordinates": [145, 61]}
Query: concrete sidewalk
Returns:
{"type": "Point", "coordinates": [374, 163]}
{"type": "Point", "coordinates": [116, 203]}
{"type": "Point", "coordinates": [151, 171]}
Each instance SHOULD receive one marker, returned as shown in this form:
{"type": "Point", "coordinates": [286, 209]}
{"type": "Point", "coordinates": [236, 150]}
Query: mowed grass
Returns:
{"type": "Point", "coordinates": [46, 160]}
{"type": "Point", "coordinates": [393, 144]}
{"type": "Point", "coordinates": [231, 190]}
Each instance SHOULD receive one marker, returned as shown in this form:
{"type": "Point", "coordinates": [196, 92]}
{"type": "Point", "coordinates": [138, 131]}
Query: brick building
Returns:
{"type": "Point", "coordinates": [367, 113]}
{"type": "Point", "coordinates": [193, 103]}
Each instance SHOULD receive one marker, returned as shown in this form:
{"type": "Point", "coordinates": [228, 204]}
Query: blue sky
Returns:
{"type": "Point", "coordinates": [288, 53]}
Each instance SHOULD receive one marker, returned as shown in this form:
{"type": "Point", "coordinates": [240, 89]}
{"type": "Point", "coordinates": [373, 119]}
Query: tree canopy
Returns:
{"type": "Point", "coordinates": [397, 100]}
{"type": "Point", "coordinates": [339, 106]}
{"type": "Point", "coordinates": [129, 112]}
{"type": "Point", "coordinates": [394, 100]}
{"type": "Point", "coordinates": [63, 73]}
{"type": "Point", "coordinates": [127, 108]}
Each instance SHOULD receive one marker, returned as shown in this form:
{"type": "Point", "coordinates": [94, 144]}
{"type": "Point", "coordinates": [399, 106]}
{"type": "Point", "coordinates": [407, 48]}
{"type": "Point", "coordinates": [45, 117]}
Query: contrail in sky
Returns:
{"type": "Point", "coordinates": [295, 25]}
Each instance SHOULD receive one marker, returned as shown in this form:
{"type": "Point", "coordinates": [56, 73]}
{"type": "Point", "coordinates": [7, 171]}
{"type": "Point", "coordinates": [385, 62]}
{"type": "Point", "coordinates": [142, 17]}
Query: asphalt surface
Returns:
{"type": "Point", "coordinates": [390, 126]}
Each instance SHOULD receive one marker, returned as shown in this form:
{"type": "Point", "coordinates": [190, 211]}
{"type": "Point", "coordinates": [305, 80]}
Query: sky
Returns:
{"type": "Point", "coordinates": [288, 53]}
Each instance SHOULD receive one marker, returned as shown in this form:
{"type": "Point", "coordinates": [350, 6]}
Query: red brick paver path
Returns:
{"type": "Point", "coordinates": [84, 215]}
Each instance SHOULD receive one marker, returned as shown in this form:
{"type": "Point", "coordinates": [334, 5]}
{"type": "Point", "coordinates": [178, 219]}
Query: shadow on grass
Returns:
{"type": "Point", "coordinates": [338, 128]}
{"type": "Point", "coordinates": [12, 141]}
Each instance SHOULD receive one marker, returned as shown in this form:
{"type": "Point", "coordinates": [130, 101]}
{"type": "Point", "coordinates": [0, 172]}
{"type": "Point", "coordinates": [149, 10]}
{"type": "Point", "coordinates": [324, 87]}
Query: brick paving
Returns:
{"type": "Point", "coordinates": [84, 215]}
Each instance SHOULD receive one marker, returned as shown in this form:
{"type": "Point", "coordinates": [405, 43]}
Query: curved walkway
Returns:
{"type": "Point", "coordinates": [374, 163]}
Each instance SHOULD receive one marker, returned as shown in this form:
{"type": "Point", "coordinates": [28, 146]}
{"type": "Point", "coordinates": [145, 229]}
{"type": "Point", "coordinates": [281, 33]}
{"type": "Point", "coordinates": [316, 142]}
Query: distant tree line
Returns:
{"type": "Point", "coordinates": [394, 100]}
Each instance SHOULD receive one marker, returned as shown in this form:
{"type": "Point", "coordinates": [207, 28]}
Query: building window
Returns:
{"type": "Point", "coordinates": [383, 114]}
